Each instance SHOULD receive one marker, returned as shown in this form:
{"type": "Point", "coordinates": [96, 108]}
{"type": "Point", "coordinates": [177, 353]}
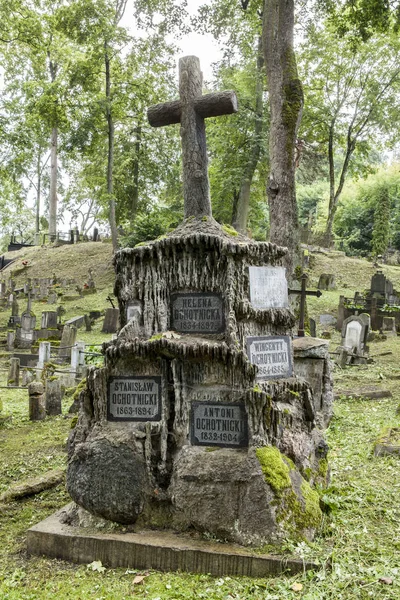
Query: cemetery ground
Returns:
{"type": "Point", "coordinates": [357, 549]}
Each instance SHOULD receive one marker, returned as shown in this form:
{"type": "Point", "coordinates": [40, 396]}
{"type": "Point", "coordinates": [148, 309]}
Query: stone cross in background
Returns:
{"type": "Point", "coordinates": [190, 111]}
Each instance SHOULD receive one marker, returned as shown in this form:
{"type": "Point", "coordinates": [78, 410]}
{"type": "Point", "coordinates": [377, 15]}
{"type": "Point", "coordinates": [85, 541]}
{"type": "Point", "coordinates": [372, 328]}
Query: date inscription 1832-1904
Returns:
{"type": "Point", "coordinates": [197, 313]}
{"type": "Point", "coordinates": [136, 398]}
{"type": "Point", "coordinates": [219, 424]}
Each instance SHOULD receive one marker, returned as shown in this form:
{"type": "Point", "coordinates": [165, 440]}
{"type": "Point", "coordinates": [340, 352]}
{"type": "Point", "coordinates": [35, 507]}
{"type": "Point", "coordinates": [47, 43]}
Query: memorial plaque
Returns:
{"type": "Point", "coordinates": [268, 287]}
{"type": "Point", "coordinates": [197, 313]}
{"type": "Point", "coordinates": [272, 355]}
{"type": "Point", "coordinates": [219, 424]}
{"type": "Point", "coordinates": [133, 310]}
{"type": "Point", "coordinates": [136, 398]}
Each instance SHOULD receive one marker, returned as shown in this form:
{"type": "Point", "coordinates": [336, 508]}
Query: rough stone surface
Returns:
{"type": "Point", "coordinates": [124, 470]}
{"type": "Point", "coordinates": [108, 479]}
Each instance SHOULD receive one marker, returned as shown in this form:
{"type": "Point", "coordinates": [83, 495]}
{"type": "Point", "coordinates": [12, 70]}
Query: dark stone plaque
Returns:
{"type": "Point", "coordinates": [136, 398]}
{"type": "Point", "coordinates": [219, 424]}
{"type": "Point", "coordinates": [197, 313]}
{"type": "Point", "coordinates": [272, 355]}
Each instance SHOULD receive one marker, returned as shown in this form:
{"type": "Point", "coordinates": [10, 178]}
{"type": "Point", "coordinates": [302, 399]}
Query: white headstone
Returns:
{"type": "Point", "coordinates": [44, 353]}
{"type": "Point", "coordinates": [353, 335]}
{"type": "Point", "coordinates": [268, 287]}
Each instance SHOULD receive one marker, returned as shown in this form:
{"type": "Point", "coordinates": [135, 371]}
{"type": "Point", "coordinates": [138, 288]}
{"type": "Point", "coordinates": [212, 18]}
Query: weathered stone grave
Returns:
{"type": "Point", "coordinates": [326, 282]}
{"type": "Point", "coordinates": [24, 334]}
{"type": "Point", "coordinates": [354, 333]}
{"type": "Point", "coordinates": [353, 349]}
{"type": "Point", "coordinates": [111, 320]}
{"type": "Point", "coordinates": [195, 421]}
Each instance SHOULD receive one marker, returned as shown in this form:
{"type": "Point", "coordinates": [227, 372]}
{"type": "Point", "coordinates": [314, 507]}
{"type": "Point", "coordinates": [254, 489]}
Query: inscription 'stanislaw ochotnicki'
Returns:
{"type": "Point", "coordinates": [135, 398]}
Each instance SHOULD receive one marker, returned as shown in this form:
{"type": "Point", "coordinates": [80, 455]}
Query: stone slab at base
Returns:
{"type": "Point", "coordinates": [159, 550]}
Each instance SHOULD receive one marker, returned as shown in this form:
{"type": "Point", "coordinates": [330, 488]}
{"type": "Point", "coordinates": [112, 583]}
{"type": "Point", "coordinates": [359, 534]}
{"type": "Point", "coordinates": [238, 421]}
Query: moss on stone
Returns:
{"type": "Point", "coordinates": [141, 244]}
{"type": "Point", "coordinates": [205, 218]}
{"type": "Point", "coordinates": [230, 230]}
{"type": "Point", "coordinates": [275, 468]}
{"type": "Point", "coordinates": [156, 336]}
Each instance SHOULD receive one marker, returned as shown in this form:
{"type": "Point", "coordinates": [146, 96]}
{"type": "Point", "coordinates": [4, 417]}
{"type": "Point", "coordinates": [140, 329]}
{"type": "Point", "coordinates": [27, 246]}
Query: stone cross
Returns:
{"type": "Point", "coordinates": [190, 111]}
{"type": "Point", "coordinates": [303, 293]}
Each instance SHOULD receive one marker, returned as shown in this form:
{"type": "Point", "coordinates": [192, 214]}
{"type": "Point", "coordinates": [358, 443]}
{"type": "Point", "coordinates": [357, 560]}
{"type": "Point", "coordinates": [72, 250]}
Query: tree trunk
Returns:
{"type": "Point", "coordinates": [110, 153]}
{"type": "Point", "coordinates": [243, 203]}
{"type": "Point", "coordinates": [38, 193]}
{"type": "Point", "coordinates": [53, 185]}
{"type": "Point", "coordinates": [286, 102]}
{"type": "Point", "coordinates": [136, 164]}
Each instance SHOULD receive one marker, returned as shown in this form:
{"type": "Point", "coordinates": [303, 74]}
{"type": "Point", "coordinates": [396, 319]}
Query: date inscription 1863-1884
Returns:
{"type": "Point", "coordinates": [136, 398]}
{"type": "Point", "coordinates": [219, 424]}
{"type": "Point", "coordinates": [197, 313]}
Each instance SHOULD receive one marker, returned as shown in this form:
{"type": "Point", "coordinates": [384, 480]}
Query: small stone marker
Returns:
{"type": "Point", "coordinates": [68, 340]}
{"type": "Point", "coordinates": [135, 398]}
{"type": "Point", "coordinates": [53, 397]}
{"type": "Point", "coordinates": [49, 319]}
{"type": "Point", "coordinates": [37, 411]}
{"type": "Point", "coordinates": [326, 282]}
{"type": "Point", "coordinates": [44, 353]}
{"type": "Point", "coordinates": [268, 287]}
{"type": "Point", "coordinates": [197, 313]}
{"type": "Point", "coordinates": [13, 373]}
{"type": "Point", "coordinates": [272, 355]}
{"type": "Point", "coordinates": [355, 331]}
{"type": "Point", "coordinates": [76, 321]}
{"type": "Point", "coordinates": [111, 319]}
{"type": "Point", "coordinates": [219, 424]}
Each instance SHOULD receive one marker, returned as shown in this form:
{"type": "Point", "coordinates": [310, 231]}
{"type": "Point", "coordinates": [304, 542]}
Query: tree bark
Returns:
{"type": "Point", "coordinates": [243, 203]}
{"type": "Point", "coordinates": [110, 153]}
{"type": "Point", "coordinates": [136, 165]}
{"type": "Point", "coordinates": [53, 184]}
{"type": "Point", "coordinates": [38, 192]}
{"type": "Point", "coordinates": [286, 102]}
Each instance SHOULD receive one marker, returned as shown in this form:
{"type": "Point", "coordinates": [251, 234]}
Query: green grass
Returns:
{"type": "Point", "coordinates": [358, 544]}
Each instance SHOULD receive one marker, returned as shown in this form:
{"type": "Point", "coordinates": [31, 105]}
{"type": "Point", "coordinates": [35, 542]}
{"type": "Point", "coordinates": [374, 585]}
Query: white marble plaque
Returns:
{"type": "Point", "coordinates": [353, 335]}
{"type": "Point", "coordinates": [271, 354]}
{"type": "Point", "coordinates": [268, 287]}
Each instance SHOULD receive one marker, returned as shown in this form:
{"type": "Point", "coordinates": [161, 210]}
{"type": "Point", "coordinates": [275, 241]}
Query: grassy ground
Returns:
{"type": "Point", "coordinates": [357, 548]}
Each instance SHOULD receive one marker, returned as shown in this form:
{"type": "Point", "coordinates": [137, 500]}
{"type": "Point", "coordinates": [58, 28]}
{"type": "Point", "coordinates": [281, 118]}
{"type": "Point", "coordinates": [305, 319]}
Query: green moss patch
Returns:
{"type": "Point", "coordinates": [275, 468]}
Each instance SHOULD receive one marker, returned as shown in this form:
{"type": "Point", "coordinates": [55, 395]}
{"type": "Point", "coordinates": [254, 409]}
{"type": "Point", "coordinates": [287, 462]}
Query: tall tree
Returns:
{"type": "Point", "coordinates": [352, 100]}
{"type": "Point", "coordinates": [286, 103]}
{"type": "Point", "coordinates": [29, 39]}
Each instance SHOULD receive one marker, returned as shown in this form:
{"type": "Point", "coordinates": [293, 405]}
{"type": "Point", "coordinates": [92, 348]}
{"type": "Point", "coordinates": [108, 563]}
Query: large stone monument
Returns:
{"type": "Point", "coordinates": [196, 420]}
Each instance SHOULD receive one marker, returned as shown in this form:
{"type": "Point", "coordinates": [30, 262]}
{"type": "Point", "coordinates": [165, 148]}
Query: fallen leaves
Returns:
{"type": "Point", "coordinates": [297, 587]}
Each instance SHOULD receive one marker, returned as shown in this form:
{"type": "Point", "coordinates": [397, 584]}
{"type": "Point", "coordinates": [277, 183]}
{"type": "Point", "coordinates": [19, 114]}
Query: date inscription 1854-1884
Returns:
{"type": "Point", "coordinates": [136, 398]}
{"type": "Point", "coordinates": [219, 424]}
{"type": "Point", "coordinates": [197, 313]}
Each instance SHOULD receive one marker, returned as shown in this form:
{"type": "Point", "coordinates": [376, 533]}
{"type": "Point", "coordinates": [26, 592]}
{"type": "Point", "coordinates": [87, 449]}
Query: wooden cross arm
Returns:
{"type": "Point", "coordinates": [317, 293]}
{"type": "Point", "coordinates": [210, 105]}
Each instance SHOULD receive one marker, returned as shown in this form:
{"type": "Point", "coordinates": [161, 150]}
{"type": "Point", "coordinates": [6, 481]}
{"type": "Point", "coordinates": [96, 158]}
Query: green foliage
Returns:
{"type": "Point", "coordinates": [381, 231]}
{"type": "Point", "coordinates": [370, 207]}
{"type": "Point", "coordinates": [151, 225]}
